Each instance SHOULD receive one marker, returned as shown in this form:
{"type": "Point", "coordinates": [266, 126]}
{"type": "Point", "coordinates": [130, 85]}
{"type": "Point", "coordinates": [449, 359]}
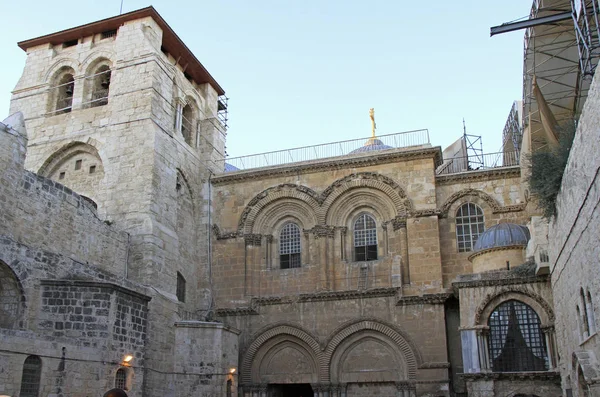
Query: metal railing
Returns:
{"type": "Point", "coordinates": [478, 163]}
{"type": "Point", "coordinates": [327, 150]}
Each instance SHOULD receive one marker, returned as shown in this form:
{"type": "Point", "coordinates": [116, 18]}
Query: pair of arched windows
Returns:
{"type": "Point", "coordinates": [470, 224]}
{"type": "Point", "coordinates": [97, 87]}
{"type": "Point", "coordinates": [365, 242]}
{"type": "Point", "coordinates": [585, 315]}
{"type": "Point", "coordinates": [516, 342]}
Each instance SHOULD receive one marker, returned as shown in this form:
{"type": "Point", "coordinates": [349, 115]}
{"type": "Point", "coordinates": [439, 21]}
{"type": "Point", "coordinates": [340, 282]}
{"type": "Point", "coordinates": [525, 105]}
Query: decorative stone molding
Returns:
{"type": "Point", "coordinates": [398, 222]}
{"type": "Point", "coordinates": [496, 279]}
{"type": "Point", "coordinates": [236, 311]}
{"type": "Point", "coordinates": [293, 332]}
{"type": "Point", "coordinates": [492, 202]}
{"type": "Point", "coordinates": [323, 231]}
{"type": "Point", "coordinates": [341, 162]}
{"type": "Point", "coordinates": [253, 239]}
{"type": "Point", "coordinates": [410, 353]}
{"type": "Point", "coordinates": [424, 213]}
{"type": "Point", "coordinates": [351, 294]}
{"type": "Point", "coordinates": [432, 365]}
{"type": "Point", "coordinates": [217, 232]}
{"type": "Point", "coordinates": [428, 299]}
{"type": "Point", "coordinates": [477, 176]}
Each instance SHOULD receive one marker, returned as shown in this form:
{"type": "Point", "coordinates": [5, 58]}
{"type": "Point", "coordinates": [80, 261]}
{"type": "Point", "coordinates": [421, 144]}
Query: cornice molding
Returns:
{"type": "Point", "coordinates": [427, 299]}
{"type": "Point", "coordinates": [483, 175]}
{"type": "Point", "coordinates": [494, 249]}
{"type": "Point", "coordinates": [333, 163]}
{"type": "Point", "coordinates": [236, 311]}
{"type": "Point", "coordinates": [497, 282]}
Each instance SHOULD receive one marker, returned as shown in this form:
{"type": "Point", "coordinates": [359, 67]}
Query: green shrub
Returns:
{"type": "Point", "coordinates": [546, 170]}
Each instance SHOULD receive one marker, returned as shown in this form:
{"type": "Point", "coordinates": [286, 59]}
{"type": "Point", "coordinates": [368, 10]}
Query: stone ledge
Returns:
{"type": "Point", "coordinates": [206, 325]}
{"type": "Point", "coordinates": [82, 283]}
{"type": "Point", "coordinates": [495, 278]}
{"type": "Point", "coordinates": [483, 175]}
{"type": "Point", "coordinates": [428, 299]}
{"type": "Point", "coordinates": [512, 376]}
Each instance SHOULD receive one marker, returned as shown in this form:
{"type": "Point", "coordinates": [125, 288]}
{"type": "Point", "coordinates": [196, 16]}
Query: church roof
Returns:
{"type": "Point", "coordinates": [502, 235]}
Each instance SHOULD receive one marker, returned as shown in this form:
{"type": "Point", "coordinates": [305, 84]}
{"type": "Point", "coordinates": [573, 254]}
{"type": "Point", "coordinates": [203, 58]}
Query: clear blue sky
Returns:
{"type": "Point", "coordinates": [306, 72]}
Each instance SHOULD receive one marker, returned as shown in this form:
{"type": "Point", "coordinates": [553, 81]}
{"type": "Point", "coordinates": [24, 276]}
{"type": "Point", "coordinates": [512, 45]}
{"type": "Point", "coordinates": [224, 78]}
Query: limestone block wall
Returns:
{"type": "Point", "coordinates": [574, 251]}
{"type": "Point", "coordinates": [495, 192]}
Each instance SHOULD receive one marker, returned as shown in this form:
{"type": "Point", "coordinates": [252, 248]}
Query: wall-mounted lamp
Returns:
{"type": "Point", "coordinates": [232, 371]}
{"type": "Point", "coordinates": [127, 359]}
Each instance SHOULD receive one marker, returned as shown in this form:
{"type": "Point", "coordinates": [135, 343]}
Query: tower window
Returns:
{"type": "Point", "coordinates": [61, 175]}
{"type": "Point", "coordinates": [78, 165]}
{"type": "Point", "coordinates": [101, 86]}
{"type": "Point", "coordinates": [64, 94]}
{"type": "Point", "coordinates": [92, 169]}
{"type": "Point", "coordinates": [289, 246]}
{"type": "Point", "coordinates": [365, 238]}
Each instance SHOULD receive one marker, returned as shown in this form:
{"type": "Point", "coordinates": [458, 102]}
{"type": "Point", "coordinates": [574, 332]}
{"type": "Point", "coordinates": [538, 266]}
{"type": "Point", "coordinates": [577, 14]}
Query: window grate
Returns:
{"type": "Point", "coordinates": [30, 381]}
{"type": "Point", "coordinates": [516, 342]}
{"type": "Point", "coordinates": [469, 226]}
{"type": "Point", "coordinates": [121, 379]}
{"type": "Point", "coordinates": [365, 238]}
{"type": "Point", "coordinates": [289, 246]}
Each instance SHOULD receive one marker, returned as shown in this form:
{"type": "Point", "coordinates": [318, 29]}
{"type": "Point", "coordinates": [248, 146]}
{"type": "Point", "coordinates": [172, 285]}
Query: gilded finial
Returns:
{"type": "Point", "coordinates": [373, 125]}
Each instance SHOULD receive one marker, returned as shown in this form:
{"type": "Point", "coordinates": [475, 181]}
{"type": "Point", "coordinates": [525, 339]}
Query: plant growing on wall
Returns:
{"type": "Point", "coordinates": [547, 166]}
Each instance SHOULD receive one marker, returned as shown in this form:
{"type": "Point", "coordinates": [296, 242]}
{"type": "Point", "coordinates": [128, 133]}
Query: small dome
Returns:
{"type": "Point", "coordinates": [371, 145]}
{"type": "Point", "coordinates": [230, 168]}
{"type": "Point", "coordinates": [502, 235]}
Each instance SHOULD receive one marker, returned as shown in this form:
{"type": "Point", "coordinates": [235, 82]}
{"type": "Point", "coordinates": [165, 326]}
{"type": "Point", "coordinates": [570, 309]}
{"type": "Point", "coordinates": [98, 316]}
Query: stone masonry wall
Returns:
{"type": "Point", "coordinates": [574, 246]}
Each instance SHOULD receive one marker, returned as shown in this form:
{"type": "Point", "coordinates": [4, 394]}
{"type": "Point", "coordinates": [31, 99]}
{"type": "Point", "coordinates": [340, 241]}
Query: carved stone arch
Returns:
{"type": "Point", "coordinates": [60, 64]}
{"type": "Point", "coordinates": [514, 292]}
{"type": "Point", "coordinates": [183, 180]}
{"type": "Point", "coordinates": [12, 298]}
{"type": "Point", "coordinates": [91, 146]}
{"type": "Point", "coordinates": [261, 200]}
{"type": "Point", "coordinates": [342, 211]}
{"type": "Point", "coordinates": [369, 180]}
{"type": "Point", "coordinates": [456, 197]}
{"type": "Point", "coordinates": [271, 215]}
{"type": "Point", "coordinates": [95, 58]}
{"type": "Point", "coordinates": [408, 350]}
{"type": "Point", "coordinates": [279, 333]}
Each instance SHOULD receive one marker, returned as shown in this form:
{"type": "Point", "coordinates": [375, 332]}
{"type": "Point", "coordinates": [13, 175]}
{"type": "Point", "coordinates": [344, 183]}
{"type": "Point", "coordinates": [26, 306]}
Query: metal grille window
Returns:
{"type": "Point", "coordinates": [289, 246]}
{"type": "Point", "coordinates": [516, 342]}
{"type": "Point", "coordinates": [180, 287]}
{"type": "Point", "coordinates": [121, 379]}
{"type": "Point", "coordinates": [32, 372]}
{"type": "Point", "coordinates": [469, 225]}
{"type": "Point", "coordinates": [365, 238]}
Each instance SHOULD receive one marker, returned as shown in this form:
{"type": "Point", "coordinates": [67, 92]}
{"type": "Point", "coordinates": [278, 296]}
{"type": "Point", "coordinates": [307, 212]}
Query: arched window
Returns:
{"type": "Point", "coordinates": [64, 93]}
{"type": "Point", "coordinates": [591, 314]}
{"type": "Point", "coordinates": [289, 246]}
{"type": "Point", "coordinates": [187, 124]}
{"type": "Point", "coordinates": [180, 293]}
{"type": "Point", "coordinates": [469, 225]}
{"type": "Point", "coordinates": [100, 86]}
{"type": "Point", "coordinates": [365, 238]}
{"type": "Point", "coordinates": [584, 315]}
{"type": "Point", "coordinates": [121, 379]}
{"type": "Point", "coordinates": [516, 342]}
{"type": "Point", "coordinates": [32, 373]}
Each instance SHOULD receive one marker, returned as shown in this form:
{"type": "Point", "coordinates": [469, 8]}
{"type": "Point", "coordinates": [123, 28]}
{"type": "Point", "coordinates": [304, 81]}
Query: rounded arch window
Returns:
{"type": "Point", "coordinates": [30, 380]}
{"type": "Point", "coordinates": [187, 123]}
{"type": "Point", "coordinates": [121, 379]}
{"type": "Point", "coordinates": [469, 226]}
{"type": "Point", "coordinates": [516, 342]}
{"type": "Point", "coordinates": [289, 246]}
{"type": "Point", "coordinates": [62, 92]}
{"type": "Point", "coordinates": [100, 85]}
{"type": "Point", "coordinates": [365, 238]}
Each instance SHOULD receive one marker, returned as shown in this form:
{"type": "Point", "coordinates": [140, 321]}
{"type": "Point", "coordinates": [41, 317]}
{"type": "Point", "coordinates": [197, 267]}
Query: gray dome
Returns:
{"type": "Point", "coordinates": [230, 168]}
{"type": "Point", "coordinates": [371, 145]}
{"type": "Point", "coordinates": [502, 235]}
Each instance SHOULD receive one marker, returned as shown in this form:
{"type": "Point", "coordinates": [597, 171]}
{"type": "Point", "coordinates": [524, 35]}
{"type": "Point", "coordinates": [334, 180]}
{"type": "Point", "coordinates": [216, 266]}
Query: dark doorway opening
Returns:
{"type": "Point", "coordinates": [295, 390]}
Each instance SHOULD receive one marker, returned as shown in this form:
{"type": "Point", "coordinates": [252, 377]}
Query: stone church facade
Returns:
{"type": "Point", "coordinates": [133, 256]}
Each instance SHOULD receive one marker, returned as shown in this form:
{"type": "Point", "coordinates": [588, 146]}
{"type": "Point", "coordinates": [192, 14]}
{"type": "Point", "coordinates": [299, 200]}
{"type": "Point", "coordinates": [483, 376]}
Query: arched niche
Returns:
{"type": "Point", "coordinates": [11, 298]}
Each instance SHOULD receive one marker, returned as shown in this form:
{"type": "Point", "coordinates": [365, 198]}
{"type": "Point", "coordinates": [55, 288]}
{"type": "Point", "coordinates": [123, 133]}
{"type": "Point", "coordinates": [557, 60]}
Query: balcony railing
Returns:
{"type": "Point", "coordinates": [327, 150]}
{"type": "Point", "coordinates": [478, 162]}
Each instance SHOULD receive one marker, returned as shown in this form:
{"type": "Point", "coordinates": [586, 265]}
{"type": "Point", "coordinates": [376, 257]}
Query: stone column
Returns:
{"type": "Point", "coordinates": [549, 338]}
{"type": "Point", "coordinates": [482, 343]}
{"type": "Point", "coordinates": [404, 251]}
